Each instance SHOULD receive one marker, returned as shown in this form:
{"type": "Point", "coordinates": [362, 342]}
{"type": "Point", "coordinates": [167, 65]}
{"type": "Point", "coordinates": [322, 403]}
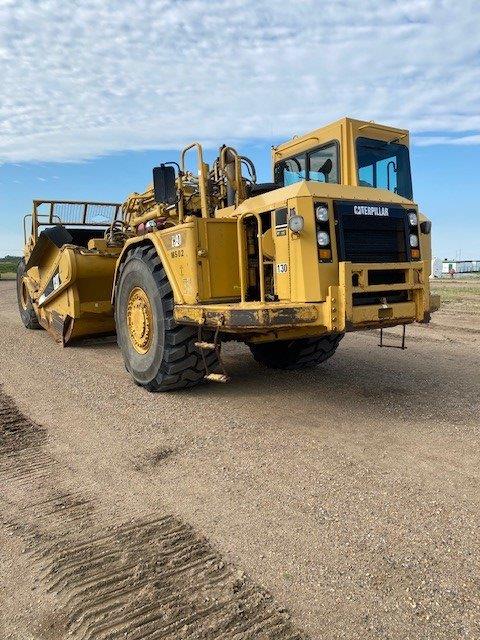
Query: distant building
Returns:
{"type": "Point", "coordinates": [442, 267]}
{"type": "Point", "coordinates": [461, 266]}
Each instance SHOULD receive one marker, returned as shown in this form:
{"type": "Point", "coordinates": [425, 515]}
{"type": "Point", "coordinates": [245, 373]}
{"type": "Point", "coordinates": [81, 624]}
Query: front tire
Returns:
{"type": "Point", "coordinates": [159, 354]}
{"type": "Point", "coordinates": [27, 312]}
{"type": "Point", "coordinates": [303, 353]}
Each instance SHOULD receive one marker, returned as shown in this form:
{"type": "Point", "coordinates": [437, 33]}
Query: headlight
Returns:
{"type": "Point", "coordinates": [321, 213]}
{"type": "Point", "coordinates": [151, 225]}
{"type": "Point", "coordinates": [413, 219]}
{"type": "Point", "coordinates": [296, 223]}
{"type": "Point", "coordinates": [413, 240]}
{"type": "Point", "coordinates": [323, 239]}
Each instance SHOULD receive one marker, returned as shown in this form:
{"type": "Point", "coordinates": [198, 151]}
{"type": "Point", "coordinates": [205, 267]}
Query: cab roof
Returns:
{"type": "Point", "coordinates": [338, 129]}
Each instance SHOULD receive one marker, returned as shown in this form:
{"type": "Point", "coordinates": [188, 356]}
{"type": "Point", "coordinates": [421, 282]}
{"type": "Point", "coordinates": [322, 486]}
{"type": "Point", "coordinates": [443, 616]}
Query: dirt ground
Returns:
{"type": "Point", "coordinates": [336, 503]}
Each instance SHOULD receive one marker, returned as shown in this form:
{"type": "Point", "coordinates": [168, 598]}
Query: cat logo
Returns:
{"type": "Point", "coordinates": [176, 240]}
{"type": "Point", "coordinates": [360, 210]}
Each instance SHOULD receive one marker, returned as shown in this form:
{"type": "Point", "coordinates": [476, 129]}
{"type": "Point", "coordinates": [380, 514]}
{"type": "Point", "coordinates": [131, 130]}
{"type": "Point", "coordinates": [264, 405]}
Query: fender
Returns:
{"type": "Point", "coordinates": [154, 240]}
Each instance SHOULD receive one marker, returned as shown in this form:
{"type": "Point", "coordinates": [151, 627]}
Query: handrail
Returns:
{"type": "Point", "coordinates": [77, 217]}
{"type": "Point", "coordinates": [105, 204]}
{"type": "Point", "coordinates": [237, 183]}
{"type": "Point", "coordinates": [39, 224]}
{"type": "Point", "coordinates": [241, 256]}
{"type": "Point", "coordinates": [201, 178]}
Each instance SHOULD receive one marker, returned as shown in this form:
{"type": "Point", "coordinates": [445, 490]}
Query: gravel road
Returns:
{"type": "Point", "coordinates": [336, 503]}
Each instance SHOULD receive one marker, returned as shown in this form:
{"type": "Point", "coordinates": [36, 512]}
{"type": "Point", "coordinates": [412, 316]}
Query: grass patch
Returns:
{"type": "Point", "coordinates": [8, 267]}
{"type": "Point", "coordinates": [461, 291]}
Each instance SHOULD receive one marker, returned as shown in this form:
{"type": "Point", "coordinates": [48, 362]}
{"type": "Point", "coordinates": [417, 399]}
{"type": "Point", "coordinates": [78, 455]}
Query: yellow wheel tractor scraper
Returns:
{"type": "Point", "coordinates": [334, 243]}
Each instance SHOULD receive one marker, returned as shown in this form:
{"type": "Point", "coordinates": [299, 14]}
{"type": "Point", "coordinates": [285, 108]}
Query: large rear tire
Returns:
{"type": "Point", "coordinates": [27, 312]}
{"type": "Point", "coordinates": [159, 354]}
{"type": "Point", "coordinates": [302, 353]}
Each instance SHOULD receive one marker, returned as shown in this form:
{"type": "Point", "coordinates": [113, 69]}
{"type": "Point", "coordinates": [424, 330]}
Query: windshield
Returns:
{"type": "Point", "coordinates": [320, 165]}
{"type": "Point", "coordinates": [384, 165]}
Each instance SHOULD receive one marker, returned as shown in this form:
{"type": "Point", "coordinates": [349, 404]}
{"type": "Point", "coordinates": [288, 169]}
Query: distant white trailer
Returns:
{"type": "Point", "coordinates": [460, 266]}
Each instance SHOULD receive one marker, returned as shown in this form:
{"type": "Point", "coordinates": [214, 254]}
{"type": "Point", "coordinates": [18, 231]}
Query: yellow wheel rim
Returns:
{"type": "Point", "coordinates": [24, 295]}
{"type": "Point", "coordinates": [139, 320]}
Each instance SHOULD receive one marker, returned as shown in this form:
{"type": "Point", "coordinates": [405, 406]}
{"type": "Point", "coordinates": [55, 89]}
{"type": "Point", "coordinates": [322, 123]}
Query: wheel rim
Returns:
{"type": "Point", "coordinates": [139, 320]}
{"type": "Point", "coordinates": [24, 297]}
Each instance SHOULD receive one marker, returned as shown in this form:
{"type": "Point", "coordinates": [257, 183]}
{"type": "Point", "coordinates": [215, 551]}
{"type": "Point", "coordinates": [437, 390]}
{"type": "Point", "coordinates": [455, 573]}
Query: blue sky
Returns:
{"type": "Point", "coordinates": [94, 93]}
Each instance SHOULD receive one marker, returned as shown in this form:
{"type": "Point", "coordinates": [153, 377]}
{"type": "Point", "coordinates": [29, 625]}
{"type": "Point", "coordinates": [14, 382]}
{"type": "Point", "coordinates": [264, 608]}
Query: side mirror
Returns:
{"type": "Point", "coordinates": [164, 187]}
{"type": "Point", "coordinates": [426, 226]}
{"type": "Point", "coordinates": [326, 167]}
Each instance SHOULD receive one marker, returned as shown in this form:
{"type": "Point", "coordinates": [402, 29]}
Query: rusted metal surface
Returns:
{"type": "Point", "coordinates": [54, 325]}
{"type": "Point", "coordinates": [241, 317]}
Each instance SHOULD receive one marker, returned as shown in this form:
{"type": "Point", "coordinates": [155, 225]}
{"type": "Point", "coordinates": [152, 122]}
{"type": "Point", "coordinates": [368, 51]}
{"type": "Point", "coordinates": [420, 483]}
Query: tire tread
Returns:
{"type": "Point", "coordinates": [28, 315]}
{"type": "Point", "coordinates": [182, 364]}
{"type": "Point", "coordinates": [303, 353]}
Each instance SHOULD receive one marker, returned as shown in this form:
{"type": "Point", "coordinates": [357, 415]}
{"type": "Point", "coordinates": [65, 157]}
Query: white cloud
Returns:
{"type": "Point", "coordinates": [98, 76]}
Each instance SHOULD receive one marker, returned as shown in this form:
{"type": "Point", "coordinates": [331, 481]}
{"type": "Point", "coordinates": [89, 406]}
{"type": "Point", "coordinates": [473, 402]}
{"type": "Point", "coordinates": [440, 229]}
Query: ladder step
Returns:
{"type": "Point", "coordinates": [217, 377]}
{"type": "Point", "coordinates": [206, 346]}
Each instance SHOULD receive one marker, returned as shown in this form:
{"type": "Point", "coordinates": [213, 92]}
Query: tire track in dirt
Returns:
{"type": "Point", "coordinates": [151, 578]}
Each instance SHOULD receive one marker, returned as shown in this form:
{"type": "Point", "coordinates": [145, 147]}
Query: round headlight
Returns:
{"type": "Point", "coordinates": [323, 239]}
{"type": "Point", "coordinates": [296, 223]}
{"type": "Point", "coordinates": [413, 240]}
{"type": "Point", "coordinates": [321, 213]}
{"type": "Point", "coordinates": [413, 219]}
{"type": "Point", "coordinates": [150, 225]}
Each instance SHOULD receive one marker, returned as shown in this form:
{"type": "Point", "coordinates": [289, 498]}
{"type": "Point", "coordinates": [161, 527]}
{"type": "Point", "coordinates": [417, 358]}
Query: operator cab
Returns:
{"type": "Point", "coordinates": [348, 152]}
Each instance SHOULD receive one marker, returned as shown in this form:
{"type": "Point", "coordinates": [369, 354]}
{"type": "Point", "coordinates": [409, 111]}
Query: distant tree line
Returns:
{"type": "Point", "coordinates": [15, 259]}
{"type": "Point", "coordinates": [9, 264]}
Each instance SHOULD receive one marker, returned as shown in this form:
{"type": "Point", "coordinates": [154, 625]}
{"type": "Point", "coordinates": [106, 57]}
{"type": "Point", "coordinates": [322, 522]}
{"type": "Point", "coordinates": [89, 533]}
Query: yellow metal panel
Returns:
{"type": "Point", "coordinates": [282, 267]}
{"type": "Point", "coordinates": [179, 258]}
{"type": "Point", "coordinates": [194, 255]}
{"type": "Point", "coordinates": [304, 278]}
{"type": "Point", "coordinates": [79, 303]}
{"type": "Point", "coordinates": [372, 315]}
{"type": "Point", "coordinates": [414, 283]}
{"type": "Point", "coordinates": [217, 242]}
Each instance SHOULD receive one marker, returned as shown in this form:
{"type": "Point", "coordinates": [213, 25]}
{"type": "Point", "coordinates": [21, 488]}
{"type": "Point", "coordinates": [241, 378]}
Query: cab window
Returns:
{"type": "Point", "coordinates": [384, 165]}
{"type": "Point", "coordinates": [293, 170]}
{"type": "Point", "coordinates": [323, 165]}
{"type": "Point", "coordinates": [320, 165]}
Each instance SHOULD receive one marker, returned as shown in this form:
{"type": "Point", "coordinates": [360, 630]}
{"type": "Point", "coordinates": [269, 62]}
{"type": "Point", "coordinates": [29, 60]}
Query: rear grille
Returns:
{"type": "Point", "coordinates": [386, 276]}
{"type": "Point", "coordinates": [371, 237]}
{"type": "Point", "coordinates": [377, 297]}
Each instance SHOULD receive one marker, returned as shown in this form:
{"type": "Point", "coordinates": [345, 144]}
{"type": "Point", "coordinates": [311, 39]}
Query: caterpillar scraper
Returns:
{"type": "Point", "coordinates": [334, 243]}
